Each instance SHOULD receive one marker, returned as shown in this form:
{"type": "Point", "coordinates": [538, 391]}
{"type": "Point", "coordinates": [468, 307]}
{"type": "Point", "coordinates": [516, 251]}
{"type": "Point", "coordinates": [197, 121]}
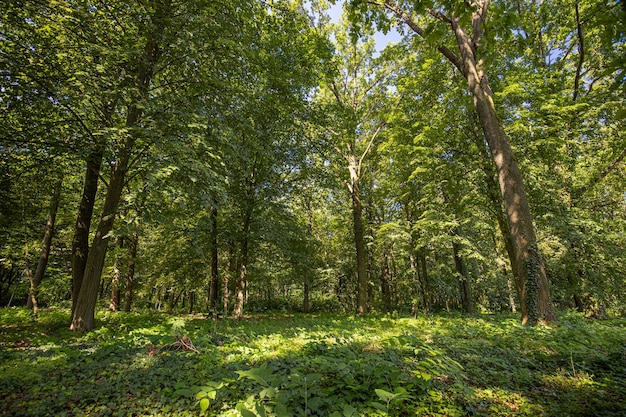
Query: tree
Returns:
{"type": "Point", "coordinates": [152, 41]}
{"type": "Point", "coordinates": [44, 254]}
{"type": "Point", "coordinates": [357, 99]}
{"type": "Point", "coordinates": [470, 60]}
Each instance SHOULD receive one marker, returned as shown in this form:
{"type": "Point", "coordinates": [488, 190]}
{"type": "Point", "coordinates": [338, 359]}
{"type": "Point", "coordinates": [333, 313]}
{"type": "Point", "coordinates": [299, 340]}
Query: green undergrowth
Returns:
{"type": "Point", "coordinates": [317, 365]}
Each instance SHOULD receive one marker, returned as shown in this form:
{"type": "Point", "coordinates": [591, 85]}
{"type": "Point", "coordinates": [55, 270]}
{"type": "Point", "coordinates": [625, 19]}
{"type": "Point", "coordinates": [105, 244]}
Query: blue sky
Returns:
{"type": "Point", "coordinates": [381, 39]}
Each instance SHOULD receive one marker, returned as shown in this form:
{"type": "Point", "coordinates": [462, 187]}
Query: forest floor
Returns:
{"type": "Point", "coordinates": [152, 364]}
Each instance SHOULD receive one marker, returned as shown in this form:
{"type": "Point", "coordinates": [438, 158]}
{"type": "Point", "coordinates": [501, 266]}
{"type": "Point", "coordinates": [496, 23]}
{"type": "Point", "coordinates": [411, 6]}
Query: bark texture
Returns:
{"type": "Point", "coordinates": [536, 303]}
{"type": "Point", "coordinates": [80, 242]}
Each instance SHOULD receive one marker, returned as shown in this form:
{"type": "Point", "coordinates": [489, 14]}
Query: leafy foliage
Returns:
{"type": "Point", "coordinates": [311, 365]}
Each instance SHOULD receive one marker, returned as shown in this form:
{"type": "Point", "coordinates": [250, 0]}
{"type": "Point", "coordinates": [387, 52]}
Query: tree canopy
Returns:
{"type": "Point", "coordinates": [241, 156]}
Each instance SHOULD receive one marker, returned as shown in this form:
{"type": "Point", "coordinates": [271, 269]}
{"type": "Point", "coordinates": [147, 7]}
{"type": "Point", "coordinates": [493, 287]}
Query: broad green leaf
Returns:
{"type": "Point", "coordinates": [204, 404]}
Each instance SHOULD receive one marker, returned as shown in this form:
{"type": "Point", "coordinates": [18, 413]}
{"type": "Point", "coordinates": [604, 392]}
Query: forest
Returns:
{"type": "Point", "coordinates": [203, 166]}
{"type": "Point", "coordinates": [250, 156]}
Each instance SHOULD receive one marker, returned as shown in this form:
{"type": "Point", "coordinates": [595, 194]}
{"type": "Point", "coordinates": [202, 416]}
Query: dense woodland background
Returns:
{"type": "Point", "coordinates": [251, 155]}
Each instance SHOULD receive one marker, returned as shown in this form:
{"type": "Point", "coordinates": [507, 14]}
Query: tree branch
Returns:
{"type": "Point", "coordinates": [451, 56]}
{"type": "Point", "coordinates": [581, 53]}
{"type": "Point", "coordinates": [595, 181]}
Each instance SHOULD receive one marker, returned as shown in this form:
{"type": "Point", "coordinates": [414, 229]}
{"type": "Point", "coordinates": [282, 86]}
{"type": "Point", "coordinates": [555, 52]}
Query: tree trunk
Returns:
{"type": "Point", "coordinates": [535, 295]}
{"type": "Point", "coordinates": [130, 276]}
{"type": "Point", "coordinates": [215, 280]}
{"type": "Point", "coordinates": [306, 307]}
{"type": "Point", "coordinates": [115, 289]}
{"type": "Point", "coordinates": [80, 242]}
{"type": "Point", "coordinates": [464, 285]}
{"type": "Point", "coordinates": [83, 315]}
{"type": "Point", "coordinates": [359, 240]}
{"type": "Point", "coordinates": [495, 196]}
{"type": "Point", "coordinates": [422, 272]}
{"type": "Point", "coordinates": [536, 304]}
{"type": "Point", "coordinates": [192, 299]}
{"type": "Point", "coordinates": [231, 269]}
{"type": "Point", "coordinates": [45, 246]}
{"type": "Point", "coordinates": [240, 280]}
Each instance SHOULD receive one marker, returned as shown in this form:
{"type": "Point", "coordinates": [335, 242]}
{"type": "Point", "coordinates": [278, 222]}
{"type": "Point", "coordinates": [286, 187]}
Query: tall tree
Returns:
{"type": "Point", "coordinates": [470, 60]}
{"type": "Point", "coordinates": [358, 99]}
{"type": "Point", "coordinates": [152, 41]}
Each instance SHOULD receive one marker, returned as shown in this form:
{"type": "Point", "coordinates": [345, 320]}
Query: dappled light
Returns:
{"type": "Point", "coordinates": [286, 364]}
{"type": "Point", "coordinates": [256, 208]}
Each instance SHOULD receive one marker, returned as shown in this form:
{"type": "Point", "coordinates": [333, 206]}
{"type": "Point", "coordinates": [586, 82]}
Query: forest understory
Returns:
{"type": "Point", "coordinates": [280, 364]}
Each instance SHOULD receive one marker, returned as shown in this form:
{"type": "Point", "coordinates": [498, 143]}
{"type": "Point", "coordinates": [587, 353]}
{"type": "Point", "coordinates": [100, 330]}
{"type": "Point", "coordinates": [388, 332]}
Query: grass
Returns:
{"type": "Point", "coordinates": [317, 365]}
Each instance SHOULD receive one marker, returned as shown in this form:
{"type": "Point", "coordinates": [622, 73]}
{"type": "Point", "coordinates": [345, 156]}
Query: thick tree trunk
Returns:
{"type": "Point", "coordinates": [45, 246]}
{"type": "Point", "coordinates": [361, 266]}
{"type": "Point", "coordinates": [83, 314]}
{"type": "Point", "coordinates": [240, 280]}
{"type": "Point", "coordinates": [536, 304]}
{"type": "Point", "coordinates": [80, 242]}
{"type": "Point", "coordinates": [535, 295]}
{"type": "Point", "coordinates": [495, 196]}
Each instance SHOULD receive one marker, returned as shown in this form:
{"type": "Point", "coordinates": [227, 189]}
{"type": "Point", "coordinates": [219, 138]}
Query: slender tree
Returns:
{"type": "Point", "coordinates": [44, 253]}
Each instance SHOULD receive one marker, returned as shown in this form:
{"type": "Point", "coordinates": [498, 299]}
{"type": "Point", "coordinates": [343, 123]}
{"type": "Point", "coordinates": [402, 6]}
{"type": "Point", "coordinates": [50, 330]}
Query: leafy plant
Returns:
{"type": "Point", "coordinates": [398, 395]}
{"type": "Point", "coordinates": [208, 393]}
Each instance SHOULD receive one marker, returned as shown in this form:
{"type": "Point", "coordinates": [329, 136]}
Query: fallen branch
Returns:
{"type": "Point", "coordinates": [180, 343]}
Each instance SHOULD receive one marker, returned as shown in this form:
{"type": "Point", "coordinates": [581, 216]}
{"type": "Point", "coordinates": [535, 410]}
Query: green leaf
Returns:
{"type": "Point", "coordinates": [349, 411]}
{"type": "Point", "coordinates": [204, 404]}
{"type": "Point", "coordinates": [379, 406]}
{"type": "Point", "coordinates": [384, 395]}
{"type": "Point", "coordinates": [260, 410]}
{"type": "Point", "coordinates": [281, 410]}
